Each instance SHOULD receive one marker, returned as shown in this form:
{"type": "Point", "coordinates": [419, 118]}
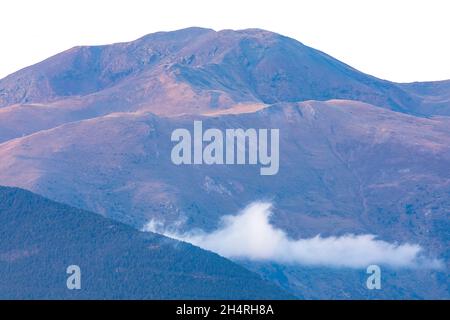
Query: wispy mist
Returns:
{"type": "Point", "coordinates": [250, 235]}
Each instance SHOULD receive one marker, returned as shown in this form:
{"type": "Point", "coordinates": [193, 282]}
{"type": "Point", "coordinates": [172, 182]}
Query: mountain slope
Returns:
{"type": "Point", "coordinates": [41, 238]}
{"type": "Point", "coordinates": [344, 167]}
{"type": "Point", "coordinates": [192, 71]}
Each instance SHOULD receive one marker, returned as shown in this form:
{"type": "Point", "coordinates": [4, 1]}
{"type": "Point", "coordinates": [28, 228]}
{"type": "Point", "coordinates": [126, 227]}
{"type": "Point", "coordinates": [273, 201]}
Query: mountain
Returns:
{"type": "Point", "coordinates": [192, 71]}
{"type": "Point", "coordinates": [41, 238]}
{"type": "Point", "coordinates": [433, 96]}
{"type": "Point", "coordinates": [345, 167]}
{"type": "Point", "coordinates": [91, 127]}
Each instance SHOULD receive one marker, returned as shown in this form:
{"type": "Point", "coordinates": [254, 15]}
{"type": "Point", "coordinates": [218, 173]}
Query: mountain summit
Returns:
{"type": "Point", "coordinates": [195, 69]}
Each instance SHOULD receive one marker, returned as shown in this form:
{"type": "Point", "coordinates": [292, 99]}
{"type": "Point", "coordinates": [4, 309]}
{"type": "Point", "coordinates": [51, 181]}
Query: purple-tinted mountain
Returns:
{"type": "Point", "coordinates": [189, 71]}
{"type": "Point", "coordinates": [345, 167]}
{"type": "Point", "coordinates": [91, 127]}
{"type": "Point", "coordinates": [248, 65]}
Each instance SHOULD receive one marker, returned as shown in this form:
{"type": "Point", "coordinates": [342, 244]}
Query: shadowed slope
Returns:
{"type": "Point", "coordinates": [41, 238]}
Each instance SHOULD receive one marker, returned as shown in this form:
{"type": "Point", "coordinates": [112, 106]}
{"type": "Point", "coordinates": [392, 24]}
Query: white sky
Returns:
{"type": "Point", "coordinates": [399, 40]}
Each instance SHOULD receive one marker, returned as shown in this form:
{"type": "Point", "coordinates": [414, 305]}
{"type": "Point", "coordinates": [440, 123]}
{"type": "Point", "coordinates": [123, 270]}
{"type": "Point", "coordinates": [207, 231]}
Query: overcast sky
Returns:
{"type": "Point", "coordinates": [399, 40]}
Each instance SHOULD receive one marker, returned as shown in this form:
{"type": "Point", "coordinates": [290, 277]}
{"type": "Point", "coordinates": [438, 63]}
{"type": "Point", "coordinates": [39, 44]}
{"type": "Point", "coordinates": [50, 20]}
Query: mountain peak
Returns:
{"type": "Point", "coordinates": [194, 70]}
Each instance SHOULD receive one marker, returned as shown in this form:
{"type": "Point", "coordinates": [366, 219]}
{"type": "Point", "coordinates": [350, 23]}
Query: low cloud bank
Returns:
{"type": "Point", "coordinates": [249, 235]}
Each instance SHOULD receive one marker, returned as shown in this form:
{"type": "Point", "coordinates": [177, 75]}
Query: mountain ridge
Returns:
{"type": "Point", "coordinates": [116, 261]}
{"type": "Point", "coordinates": [215, 61]}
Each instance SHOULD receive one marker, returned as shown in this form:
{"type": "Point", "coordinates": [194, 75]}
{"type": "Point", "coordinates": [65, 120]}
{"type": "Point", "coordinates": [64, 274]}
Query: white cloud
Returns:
{"type": "Point", "coordinates": [249, 235]}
